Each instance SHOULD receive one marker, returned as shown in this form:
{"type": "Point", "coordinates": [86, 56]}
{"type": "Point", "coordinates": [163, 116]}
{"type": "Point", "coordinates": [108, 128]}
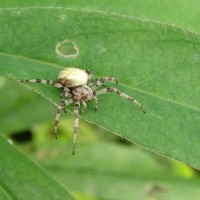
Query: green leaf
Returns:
{"type": "Point", "coordinates": [157, 64]}
{"type": "Point", "coordinates": [21, 178]}
{"type": "Point", "coordinates": [183, 13]}
{"type": "Point", "coordinates": [128, 173]}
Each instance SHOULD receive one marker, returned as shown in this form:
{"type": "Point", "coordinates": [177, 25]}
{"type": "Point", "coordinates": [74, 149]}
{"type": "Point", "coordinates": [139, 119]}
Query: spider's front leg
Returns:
{"type": "Point", "coordinates": [49, 82]}
{"type": "Point", "coordinates": [110, 89]}
{"type": "Point", "coordinates": [99, 82]}
{"type": "Point", "coordinates": [76, 120]}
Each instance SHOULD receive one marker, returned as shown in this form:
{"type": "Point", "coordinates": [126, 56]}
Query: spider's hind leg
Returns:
{"type": "Point", "coordinates": [110, 89]}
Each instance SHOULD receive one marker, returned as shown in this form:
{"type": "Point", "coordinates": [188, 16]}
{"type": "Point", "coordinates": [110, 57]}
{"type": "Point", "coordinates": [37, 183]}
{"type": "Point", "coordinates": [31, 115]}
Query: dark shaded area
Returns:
{"type": "Point", "coordinates": [23, 136]}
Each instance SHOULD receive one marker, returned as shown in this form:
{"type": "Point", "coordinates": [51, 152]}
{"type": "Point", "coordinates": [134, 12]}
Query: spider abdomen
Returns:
{"type": "Point", "coordinates": [72, 77]}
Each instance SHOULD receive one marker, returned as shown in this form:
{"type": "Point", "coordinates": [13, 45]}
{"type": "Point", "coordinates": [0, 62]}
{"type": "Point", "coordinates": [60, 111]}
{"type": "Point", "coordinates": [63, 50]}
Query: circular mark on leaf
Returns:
{"type": "Point", "coordinates": [62, 17]}
{"type": "Point", "coordinates": [67, 49]}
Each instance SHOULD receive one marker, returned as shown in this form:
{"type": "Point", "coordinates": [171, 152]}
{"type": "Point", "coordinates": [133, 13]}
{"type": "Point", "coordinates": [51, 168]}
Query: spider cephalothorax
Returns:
{"type": "Point", "coordinates": [78, 87]}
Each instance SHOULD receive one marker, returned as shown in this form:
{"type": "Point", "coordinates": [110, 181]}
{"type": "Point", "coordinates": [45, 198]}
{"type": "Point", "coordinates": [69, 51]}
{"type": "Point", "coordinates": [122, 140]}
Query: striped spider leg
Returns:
{"type": "Point", "coordinates": [117, 91]}
{"type": "Point", "coordinates": [65, 93]}
{"type": "Point", "coordinates": [53, 83]}
{"type": "Point", "coordinates": [63, 103]}
{"type": "Point", "coordinates": [76, 121]}
{"type": "Point", "coordinates": [94, 83]}
{"type": "Point", "coordinates": [100, 82]}
{"type": "Point", "coordinates": [49, 82]}
{"type": "Point", "coordinates": [60, 106]}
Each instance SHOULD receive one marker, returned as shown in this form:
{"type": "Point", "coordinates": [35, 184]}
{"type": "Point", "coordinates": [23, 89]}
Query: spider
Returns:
{"type": "Point", "coordinates": [78, 87]}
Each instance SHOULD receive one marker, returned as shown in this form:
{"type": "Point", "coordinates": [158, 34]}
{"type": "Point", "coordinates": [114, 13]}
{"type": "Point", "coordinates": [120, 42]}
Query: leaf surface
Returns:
{"type": "Point", "coordinates": [21, 178]}
{"type": "Point", "coordinates": [184, 13]}
{"type": "Point", "coordinates": [157, 64]}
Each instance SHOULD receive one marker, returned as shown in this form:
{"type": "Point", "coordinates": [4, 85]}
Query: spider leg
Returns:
{"type": "Point", "coordinates": [84, 106]}
{"type": "Point", "coordinates": [57, 120]}
{"type": "Point", "coordinates": [99, 82]}
{"type": "Point", "coordinates": [96, 103]}
{"type": "Point", "coordinates": [92, 82]}
{"type": "Point", "coordinates": [89, 72]}
{"type": "Point", "coordinates": [62, 95]}
{"type": "Point", "coordinates": [50, 82]}
{"type": "Point", "coordinates": [62, 101]}
{"type": "Point", "coordinates": [76, 120]}
{"type": "Point", "coordinates": [59, 107]}
{"type": "Point", "coordinates": [110, 89]}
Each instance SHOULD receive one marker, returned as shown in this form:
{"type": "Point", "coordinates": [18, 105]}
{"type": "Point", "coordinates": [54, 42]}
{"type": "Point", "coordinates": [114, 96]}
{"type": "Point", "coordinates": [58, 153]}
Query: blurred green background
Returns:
{"type": "Point", "coordinates": [105, 166]}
